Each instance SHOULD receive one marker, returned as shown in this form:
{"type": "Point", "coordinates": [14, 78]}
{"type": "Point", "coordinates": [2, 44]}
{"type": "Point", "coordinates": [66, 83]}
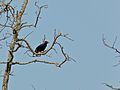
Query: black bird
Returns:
{"type": "Point", "coordinates": [41, 47]}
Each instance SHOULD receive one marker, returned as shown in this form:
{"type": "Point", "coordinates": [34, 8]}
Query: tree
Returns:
{"type": "Point", "coordinates": [12, 18]}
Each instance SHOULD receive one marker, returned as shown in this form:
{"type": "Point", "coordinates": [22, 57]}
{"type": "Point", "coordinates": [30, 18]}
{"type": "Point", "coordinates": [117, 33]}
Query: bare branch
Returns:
{"type": "Point", "coordinates": [112, 46]}
{"type": "Point", "coordinates": [30, 62]}
{"type": "Point", "coordinates": [28, 45]}
{"type": "Point", "coordinates": [39, 12]}
{"type": "Point", "coordinates": [66, 36]}
{"type": "Point", "coordinates": [34, 61]}
{"type": "Point", "coordinates": [66, 56]}
{"type": "Point", "coordinates": [26, 26]}
{"type": "Point", "coordinates": [110, 86]}
{"type": "Point", "coordinates": [19, 45]}
{"type": "Point", "coordinates": [28, 35]}
{"type": "Point", "coordinates": [23, 25]}
{"type": "Point", "coordinates": [41, 53]}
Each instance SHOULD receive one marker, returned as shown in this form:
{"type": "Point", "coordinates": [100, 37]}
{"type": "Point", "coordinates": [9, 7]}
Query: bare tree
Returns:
{"type": "Point", "coordinates": [13, 21]}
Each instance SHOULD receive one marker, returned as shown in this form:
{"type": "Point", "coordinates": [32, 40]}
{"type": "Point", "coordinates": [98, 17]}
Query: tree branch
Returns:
{"type": "Point", "coordinates": [30, 62]}
{"type": "Point", "coordinates": [110, 86]}
{"type": "Point", "coordinates": [20, 14]}
{"type": "Point", "coordinates": [112, 46]}
{"type": "Point", "coordinates": [66, 56]}
{"type": "Point", "coordinates": [39, 12]}
{"type": "Point", "coordinates": [34, 61]}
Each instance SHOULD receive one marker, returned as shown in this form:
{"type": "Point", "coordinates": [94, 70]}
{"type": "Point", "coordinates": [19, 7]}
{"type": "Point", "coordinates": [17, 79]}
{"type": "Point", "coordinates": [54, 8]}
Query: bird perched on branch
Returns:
{"type": "Point", "coordinates": [41, 47]}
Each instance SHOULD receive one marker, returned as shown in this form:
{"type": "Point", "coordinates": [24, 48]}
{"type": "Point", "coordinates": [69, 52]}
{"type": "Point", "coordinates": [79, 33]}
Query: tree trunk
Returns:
{"type": "Point", "coordinates": [16, 29]}
{"type": "Point", "coordinates": [9, 63]}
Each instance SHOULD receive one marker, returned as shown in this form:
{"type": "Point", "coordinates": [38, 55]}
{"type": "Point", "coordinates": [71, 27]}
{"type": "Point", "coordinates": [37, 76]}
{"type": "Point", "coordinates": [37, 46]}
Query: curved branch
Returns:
{"type": "Point", "coordinates": [44, 52]}
{"type": "Point", "coordinates": [66, 56]}
{"type": "Point", "coordinates": [30, 62]}
{"type": "Point", "coordinates": [34, 61]}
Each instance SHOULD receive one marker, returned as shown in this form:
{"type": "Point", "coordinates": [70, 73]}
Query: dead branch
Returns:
{"type": "Point", "coordinates": [110, 46]}
{"type": "Point", "coordinates": [19, 45]}
{"type": "Point", "coordinates": [39, 12]}
{"type": "Point", "coordinates": [66, 56]}
{"type": "Point", "coordinates": [66, 36]}
{"type": "Point", "coordinates": [110, 86]}
{"type": "Point", "coordinates": [29, 25]}
{"type": "Point", "coordinates": [34, 61]}
{"type": "Point", "coordinates": [41, 53]}
{"type": "Point", "coordinates": [46, 51]}
{"type": "Point", "coordinates": [55, 41]}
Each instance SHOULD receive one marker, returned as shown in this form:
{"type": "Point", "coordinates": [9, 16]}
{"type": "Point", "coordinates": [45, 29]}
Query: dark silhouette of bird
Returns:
{"type": "Point", "coordinates": [41, 47]}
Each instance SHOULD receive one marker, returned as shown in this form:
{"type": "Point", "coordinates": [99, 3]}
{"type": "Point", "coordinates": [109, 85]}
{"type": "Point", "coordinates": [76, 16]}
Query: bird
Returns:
{"type": "Point", "coordinates": [41, 47]}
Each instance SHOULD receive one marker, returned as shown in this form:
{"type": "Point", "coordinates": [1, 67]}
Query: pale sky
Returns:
{"type": "Point", "coordinates": [85, 21]}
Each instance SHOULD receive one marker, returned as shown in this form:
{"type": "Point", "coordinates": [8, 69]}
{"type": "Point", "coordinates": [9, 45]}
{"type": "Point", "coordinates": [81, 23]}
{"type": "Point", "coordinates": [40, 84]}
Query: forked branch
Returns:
{"type": "Point", "coordinates": [55, 42]}
{"type": "Point", "coordinates": [110, 46]}
{"type": "Point", "coordinates": [39, 12]}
